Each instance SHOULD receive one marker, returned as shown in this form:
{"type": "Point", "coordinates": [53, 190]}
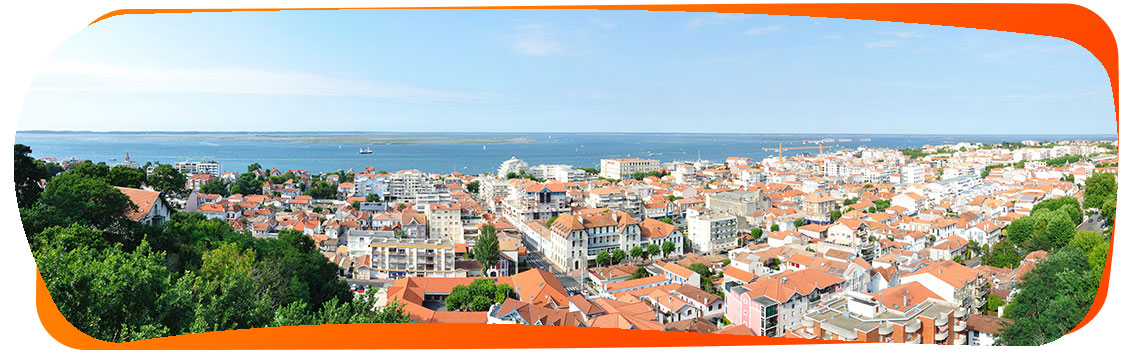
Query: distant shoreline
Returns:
{"type": "Point", "coordinates": [1089, 135]}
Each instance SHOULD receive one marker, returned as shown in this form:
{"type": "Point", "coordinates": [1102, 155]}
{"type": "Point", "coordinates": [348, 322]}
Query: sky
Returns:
{"type": "Point", "coordinates": [562, 71]}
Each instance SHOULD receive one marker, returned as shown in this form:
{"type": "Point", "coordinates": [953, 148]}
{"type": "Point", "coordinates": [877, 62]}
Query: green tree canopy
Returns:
{"type": "Point", "coordinates": [122, 176]}
{"type": "Point", "coordinates": [168, 179]}
{"type": "Point", "coordinates": [28, 173]}
{"type": "Point", "coordinates": [1053, 299]}
{"type": "Point", "coordinates": [486, 247]}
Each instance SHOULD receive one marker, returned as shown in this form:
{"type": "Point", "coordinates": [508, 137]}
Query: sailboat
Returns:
{"type": "Point", "coordinates": [484, 147]}
{"type": "Point", "coordinates": [366, 151]}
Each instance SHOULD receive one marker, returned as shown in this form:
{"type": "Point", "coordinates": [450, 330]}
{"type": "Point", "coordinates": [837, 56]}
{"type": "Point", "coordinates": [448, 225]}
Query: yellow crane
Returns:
{"type": "Point", "coordinates": [781, 149]}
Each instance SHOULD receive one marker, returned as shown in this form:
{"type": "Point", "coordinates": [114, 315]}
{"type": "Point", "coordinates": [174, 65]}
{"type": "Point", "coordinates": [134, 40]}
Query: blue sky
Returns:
{"type": "Point", "coordinates": [562, 71]}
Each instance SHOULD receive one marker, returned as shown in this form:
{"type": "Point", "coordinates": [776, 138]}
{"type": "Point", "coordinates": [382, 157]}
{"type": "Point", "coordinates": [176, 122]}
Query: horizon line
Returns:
{"type": "Point", "coordinates": [557, 132]}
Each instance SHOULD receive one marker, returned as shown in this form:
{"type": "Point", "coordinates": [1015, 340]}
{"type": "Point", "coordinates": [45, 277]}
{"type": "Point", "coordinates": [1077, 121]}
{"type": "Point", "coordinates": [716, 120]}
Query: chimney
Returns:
{"type": "Point", "coordinates": [784, 279]}
{"type": "Point", "coordinates": [905, 298]}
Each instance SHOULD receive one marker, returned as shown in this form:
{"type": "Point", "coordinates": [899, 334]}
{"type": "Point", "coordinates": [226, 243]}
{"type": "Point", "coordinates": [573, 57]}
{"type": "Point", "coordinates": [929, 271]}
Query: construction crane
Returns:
{"type": "Point", "coordinates": [819, 145]}
{"type": "Point", "coordinates": [781, 149]}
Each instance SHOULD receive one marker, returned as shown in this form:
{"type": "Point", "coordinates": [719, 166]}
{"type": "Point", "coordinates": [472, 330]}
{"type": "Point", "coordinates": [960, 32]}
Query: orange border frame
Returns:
{"type": "Point", "coordinates": [1068, 21]}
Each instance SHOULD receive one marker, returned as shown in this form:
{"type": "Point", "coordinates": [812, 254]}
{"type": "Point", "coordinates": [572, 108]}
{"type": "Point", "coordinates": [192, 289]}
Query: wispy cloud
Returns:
{"type": "Point", "coordinates": [714, 19]}
{"type": "Point", "coordinates": [536, 40]}
{"type": "Point", "coordinates": [881, 44]}
{"type": "Point", "coordinates": [906, 34]}
{"type": "Point", "coordinates": [74, 77]}
{"type": "Point", "coordinates": [834, 36]}
{"type": "Point", "coordinates": [763, 30]}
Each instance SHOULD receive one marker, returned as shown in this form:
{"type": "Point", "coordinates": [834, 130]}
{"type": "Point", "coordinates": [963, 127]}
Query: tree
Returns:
{"type": "Point", "coordinates": [640, 272]}
{"type": "Point", "coordinates": [247, 184]}
{"type": "Point", "coordinates": [73, 198]}
{"type": "Point", "coordinates": [1004, 255]}
{"type": "Point", "coordinates": [1108, 207]}
{"type": "Point", "coordinates": [618, 256]}
{"type": "Point", "coordinates": [1060, 230]}
{"type": "Point", "coordinates": [486, 247]}
{"type": "Point", "coordinates": [473, 187]}
{"type": "Point", "coordinates": [639, 175]}
{"type": "Point", "coordinates": [321, 190]}
{"type": "Point", "coordinates": [166, 178]}
{"type": "Point", "coordinates": [215, 186]}
{"type": "Point", "coordinates": [549, 222]}
{"type": "Point", "coordinates": [27, 173]}
{"type": "Point", "coordinates": [253, 167]}
{"type": "Point", "coordinates": [478, 296]}
{"type": "Point", "coordinates": [1053, 299]}
{"type": "Point", "coordinates": [775, 227]}
{"type": "Point", "coordinates": [836, 214]}
{"type": "Point", "coordinates": [603, 258]}
{"type": "Point", "coordinates": [372, 198]}
{"type": "Point", "coordinates": [756, 233]}
{"type": "Point", "coordinates": [459, 298]}
{"type": "Point", "coordinates": [122, 176]}
{"type": "Point", "coordinates": [668, 247]}
{"type": "Point", "coordinates": [653, 250]}
{"type": "Point", "coordinates": [113, 295]}
{"type": "Point", "coordinates": [992, 303]}
{"type": "Point", "coordinates": [636, 252]}
{"type": "Point", "coordinates": [1020, 230]}
{"type": "Point", "coordinates": [1099, 187]}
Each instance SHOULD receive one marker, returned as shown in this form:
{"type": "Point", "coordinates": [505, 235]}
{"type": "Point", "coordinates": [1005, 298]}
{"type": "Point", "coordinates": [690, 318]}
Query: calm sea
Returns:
{"type": "Point", "coordinates": [443, 152]}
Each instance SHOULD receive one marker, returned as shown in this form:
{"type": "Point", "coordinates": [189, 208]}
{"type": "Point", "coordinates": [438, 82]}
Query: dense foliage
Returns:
{"type": "Point", "coordinates": [1051, 224]}
{"type": "Point", "coordinates": [486, 247]}
{"type": "Point", "coordinates": [478, 296]}
{"type": "Point", "coordinates": [118, 280]}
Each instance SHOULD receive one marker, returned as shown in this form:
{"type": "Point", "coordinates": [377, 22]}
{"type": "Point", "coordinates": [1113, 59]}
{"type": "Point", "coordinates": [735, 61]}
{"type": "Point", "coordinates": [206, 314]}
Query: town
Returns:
{"type": "Point", "coordinates": [926, 245]}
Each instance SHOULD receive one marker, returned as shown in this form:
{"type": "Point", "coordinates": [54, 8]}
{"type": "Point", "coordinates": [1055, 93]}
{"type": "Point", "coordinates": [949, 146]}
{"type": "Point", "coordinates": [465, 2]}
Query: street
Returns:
{"type": "Point", "coordinates": [536, 260]}
{"type": "Point", "coordinates": [1094, 222]}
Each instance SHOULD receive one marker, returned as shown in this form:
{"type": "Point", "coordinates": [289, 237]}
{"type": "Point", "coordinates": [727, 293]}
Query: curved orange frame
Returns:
{"type": "Point", "coordinates": [1071, 22]}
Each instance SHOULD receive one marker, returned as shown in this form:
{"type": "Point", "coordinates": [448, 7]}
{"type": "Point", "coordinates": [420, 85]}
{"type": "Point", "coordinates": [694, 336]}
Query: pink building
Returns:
{"type": "Point", "coordinates": [770, 305]}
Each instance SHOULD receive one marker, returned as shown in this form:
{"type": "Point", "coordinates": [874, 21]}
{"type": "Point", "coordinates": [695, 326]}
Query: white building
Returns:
{"type": "Point", "coordinates": [512, 165]}
{"type": "Point", "coordinates": [711, 231]}
{"type": "Point", "coordinates": [621, 168]}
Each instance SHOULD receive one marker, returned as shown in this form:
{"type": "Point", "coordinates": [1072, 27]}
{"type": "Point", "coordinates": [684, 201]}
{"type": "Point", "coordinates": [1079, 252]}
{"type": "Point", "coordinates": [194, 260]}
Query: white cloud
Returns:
{"type": "Point", "coordinates": [834, 36]}
{"type": "Point", "coordinates": [536, 40]}
{"type": "Point", "coordinates": [763, 30]}
{"type": "Point", "coordinates": [881, 44]}
{"type": "Point", "coordinates": [601, 22]}
{"type": "Point", "coordinates": [715, 19]}
{"type": "Point", "coordinates": [76, 77]}
{"type": "Point", "coordinates": [907, 34]}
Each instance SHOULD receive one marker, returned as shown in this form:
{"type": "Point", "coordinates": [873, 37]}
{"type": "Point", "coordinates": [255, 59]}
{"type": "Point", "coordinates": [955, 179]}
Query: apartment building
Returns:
{"type": "Point", "coordinates": [528, 200]}
{"type": "Point", "coordinates": [770, 305]}
{"type": "Point", "coordinates": [394, 258]}
{"type": "Point", "coordinates": [817, 207]}
{"type": "Point", "coordinates": [559, 172]}
{"type": "Point", "coordinates": [621, 168]}
{"type": "Point", "coordinates": [711, 231]}
{"type": "Point", "coordinates": [912, 174]}
{"type": "Point", "coordinates": [512, 165]}
{"type": "Point", "coordinates": [445, 222]}
{"type": "Point", "coordinates": [209, 167]}
{"type": "Point", "coordinates": [954, 282]}
{"type": "Point", "coordinates": [909, 313]}
{"type": "Point", "coordinates": [618, 198]}
{"type": "Point", "coordinates": [738, 203]}
{"type": "Point", "coordinates": [576, 239]}
{"type": "Point", "coordinates": [404, 184]}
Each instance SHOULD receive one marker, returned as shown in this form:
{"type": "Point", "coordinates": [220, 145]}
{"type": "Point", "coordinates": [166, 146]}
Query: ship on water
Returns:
{"type": "Point", "coordinates": [366, 151]}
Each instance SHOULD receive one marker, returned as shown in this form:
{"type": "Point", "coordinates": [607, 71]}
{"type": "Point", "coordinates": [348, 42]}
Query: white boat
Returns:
{"type": "Point", "coordinates": [484, 147]}
{"type": "Point", "coordinates": [366, 151]}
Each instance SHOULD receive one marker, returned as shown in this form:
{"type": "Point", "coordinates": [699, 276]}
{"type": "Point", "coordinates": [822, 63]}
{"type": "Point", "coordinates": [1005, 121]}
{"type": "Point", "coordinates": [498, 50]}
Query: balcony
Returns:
{"type": "Point", "coordinates": [886, 328]}
{"type": "Point", "coordinates": [960, 313]}
{"type": "Point", "coordinates": [960, 340]}
{"type": "Point", "coordinates": [960, 326]}
{"type": "Point", "coordinates": [940, 336]}
{"type": "Point", "coordinates": [916, 340]}
{"type": "Point", "coordinates": [913, 326]}
{"type": "Point", "coordinates": [941, 321]}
